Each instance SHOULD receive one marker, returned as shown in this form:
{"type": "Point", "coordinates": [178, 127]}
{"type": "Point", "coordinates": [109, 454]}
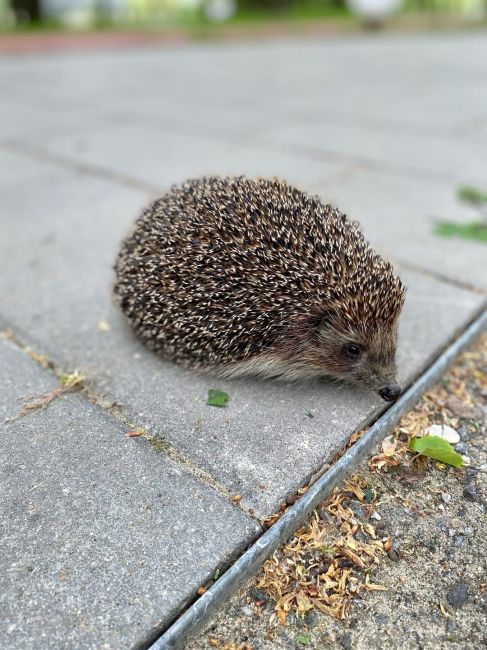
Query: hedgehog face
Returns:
{"type": "Point", "coordinates": [367, 359]}
{"type": "Point", "coordinates": [325, 346]}
{"type": "Point", "coordinates": [362, 355]}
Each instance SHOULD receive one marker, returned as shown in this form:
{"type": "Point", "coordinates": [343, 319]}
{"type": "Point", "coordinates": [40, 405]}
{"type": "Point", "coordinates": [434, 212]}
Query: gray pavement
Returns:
{"type": "Point", "coordinates": [385, 128]}
{"type": "Point", "coordinates": [102, 539]}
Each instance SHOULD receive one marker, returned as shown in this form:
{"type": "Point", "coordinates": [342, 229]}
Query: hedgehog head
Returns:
{"type": "Point", "coordinates": [352, 335]}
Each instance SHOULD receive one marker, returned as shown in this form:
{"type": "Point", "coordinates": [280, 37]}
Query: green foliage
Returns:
{"type": "Point", "coordinates": [472, 195]}
{"type": "Point", "coordinates": [476, 230]}
{"type": "Point", "coordinates": [437, 448]}
{"type": "Point", "coordinates": [303, 639]}
{"type": "Point", "coordinates": [369, 493]}
{"type": "Point", "coordinates": [295, 10]}
{"type": "Point", "coordinates": [217, 397]}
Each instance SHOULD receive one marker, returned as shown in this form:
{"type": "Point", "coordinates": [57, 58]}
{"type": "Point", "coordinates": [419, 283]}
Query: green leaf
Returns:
{"type": "Point", "coordinates": [476, 230]}
{"type": "Point", "coordinates": [437, 448]}
{"type": "Point", "coordinates": [369, 494]}
{"type": "Point", "coordinates": [303, 639]}
{"type": "Point", "coordinates": [217, 397]}
{"type": "Point", "coordinates": [472, 195]}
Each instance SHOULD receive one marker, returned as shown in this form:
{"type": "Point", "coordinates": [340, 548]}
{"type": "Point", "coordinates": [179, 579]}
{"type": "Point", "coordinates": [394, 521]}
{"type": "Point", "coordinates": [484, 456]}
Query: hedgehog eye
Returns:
{"type": "Point", "coordinates": [353, 351]}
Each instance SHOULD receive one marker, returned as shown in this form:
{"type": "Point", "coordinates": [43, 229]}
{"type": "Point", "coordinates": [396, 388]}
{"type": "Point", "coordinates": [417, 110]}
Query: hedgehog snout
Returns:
{"type": "Point", "coordinates": [390, 393]}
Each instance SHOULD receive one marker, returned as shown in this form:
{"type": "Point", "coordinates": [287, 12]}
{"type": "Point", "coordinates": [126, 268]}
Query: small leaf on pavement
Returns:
{"type": "Point", "coordinates": [217, 397]}
{"type": "Point", "coordinates": [437, 448]}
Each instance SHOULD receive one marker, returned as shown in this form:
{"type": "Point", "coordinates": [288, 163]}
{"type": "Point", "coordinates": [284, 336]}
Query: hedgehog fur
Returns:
{"type": "Point", "coordinates": [236, 276]}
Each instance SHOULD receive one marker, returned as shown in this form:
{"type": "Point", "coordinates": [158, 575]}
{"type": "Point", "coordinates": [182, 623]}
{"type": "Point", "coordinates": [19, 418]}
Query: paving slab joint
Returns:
{"type": "Point", "coordinates": [65, 162]}
{"type": "Point", "coordinates": [140, 433]}
{"type": "Point", "coordinates": [436, 275]}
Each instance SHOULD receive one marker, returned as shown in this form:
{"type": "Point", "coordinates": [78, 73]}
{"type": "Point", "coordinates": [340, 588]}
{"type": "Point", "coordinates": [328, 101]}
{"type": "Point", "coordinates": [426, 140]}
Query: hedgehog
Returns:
{"type": "Point", "coordinates": [236, 276]}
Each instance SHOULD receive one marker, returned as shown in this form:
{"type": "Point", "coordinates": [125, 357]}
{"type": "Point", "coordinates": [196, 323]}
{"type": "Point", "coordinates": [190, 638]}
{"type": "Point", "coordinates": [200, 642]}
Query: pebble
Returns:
{"type": "Point", "coordinates": [346, 641]}
{"type": "Point", "coordinates": [442, 526]}
{"type": "Point", "coordinates": [444, 431]}
{"type": "Point", "coordinates": [446, 498]}
{"type": "Point", "coordinates": [258, 594]}
{"type": "Point", "coordinates": [356, 508]}
{"type": "Point", "coordinates": [458, 595]}
{"type": "Point", "coordinates": [470, 474]}
{"type": "Point", "coordinates": [470, 492]}
{"type": "Point", "coordinates": [247, 611]}
{"type": "Point", "coordinates": [376, 516]}
{"type": "Point", "coordinates": [461, 448]}
{"type": "Point", "coordinates": [459, 541]}
{"type": "Point", "coordinates": [382, 619]}
{"type": "Point", "coordinates": [311, 619]}
{"type": "Point", "coordinates": [393, 555]}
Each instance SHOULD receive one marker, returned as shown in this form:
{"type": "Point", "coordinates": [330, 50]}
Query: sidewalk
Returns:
{"type": "Point", "coordinates": [107, 537]}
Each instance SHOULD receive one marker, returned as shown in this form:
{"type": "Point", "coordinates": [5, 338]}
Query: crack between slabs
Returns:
{"type": "Point", "coordinates": [309, 152]}
{"type": "Point", "coordinates": [459, 284]}
{"type": "Point", "coordinates": [159, 444]}
{"type": "Point", "coordinates": [72, 164]}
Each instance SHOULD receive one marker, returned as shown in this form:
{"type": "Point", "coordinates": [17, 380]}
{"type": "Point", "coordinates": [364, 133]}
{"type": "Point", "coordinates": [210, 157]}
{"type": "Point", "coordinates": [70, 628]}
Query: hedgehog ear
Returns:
{"type": "Point", "coordinates": [317, 322]}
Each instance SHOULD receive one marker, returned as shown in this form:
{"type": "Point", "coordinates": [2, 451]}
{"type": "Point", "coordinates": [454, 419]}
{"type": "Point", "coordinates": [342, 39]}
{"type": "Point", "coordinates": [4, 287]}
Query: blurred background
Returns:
{"type": "Point", "coordinates": [377, 106]}
{"type": "Point", "coordinates": [204, 17]}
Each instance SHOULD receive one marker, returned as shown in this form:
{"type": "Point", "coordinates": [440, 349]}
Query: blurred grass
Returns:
{"type": "Point", "coordinates": [298, 10]}
{"type": "Point", "coordinates": [295, 11]}
{"type": "Point", "coordinates": [415, 14]}
{"type": "Point", "coordinates": [474, 230]}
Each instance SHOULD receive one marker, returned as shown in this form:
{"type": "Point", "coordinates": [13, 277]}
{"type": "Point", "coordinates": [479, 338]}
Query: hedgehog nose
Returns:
{"type": "Point", "coordinates": [390, 393]}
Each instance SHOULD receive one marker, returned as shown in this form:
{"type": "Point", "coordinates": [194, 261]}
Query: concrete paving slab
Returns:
{"type": "Point", "coordinates": [407, 95]}
{"type": "Point", "coordinates": [103, 540]}
{"type": "Point", "coordinates": [407, 153]}
{"type": "Point", "coordinates": [38, 124]}
{"type": "Point", "coordinates": [162, 154]}
{"type": "Point", "coordinates": [397, 100]}
{"type": "Point", "coordinates": [399, 215]}
{"type": "Point", "coordinates": [407, 78]}
{"type": "Point", "coordinates": [56, 294]}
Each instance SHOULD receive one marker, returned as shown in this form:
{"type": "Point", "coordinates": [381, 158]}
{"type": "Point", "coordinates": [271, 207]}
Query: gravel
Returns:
{"type": "Point", "coordinates": [458, 595]}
